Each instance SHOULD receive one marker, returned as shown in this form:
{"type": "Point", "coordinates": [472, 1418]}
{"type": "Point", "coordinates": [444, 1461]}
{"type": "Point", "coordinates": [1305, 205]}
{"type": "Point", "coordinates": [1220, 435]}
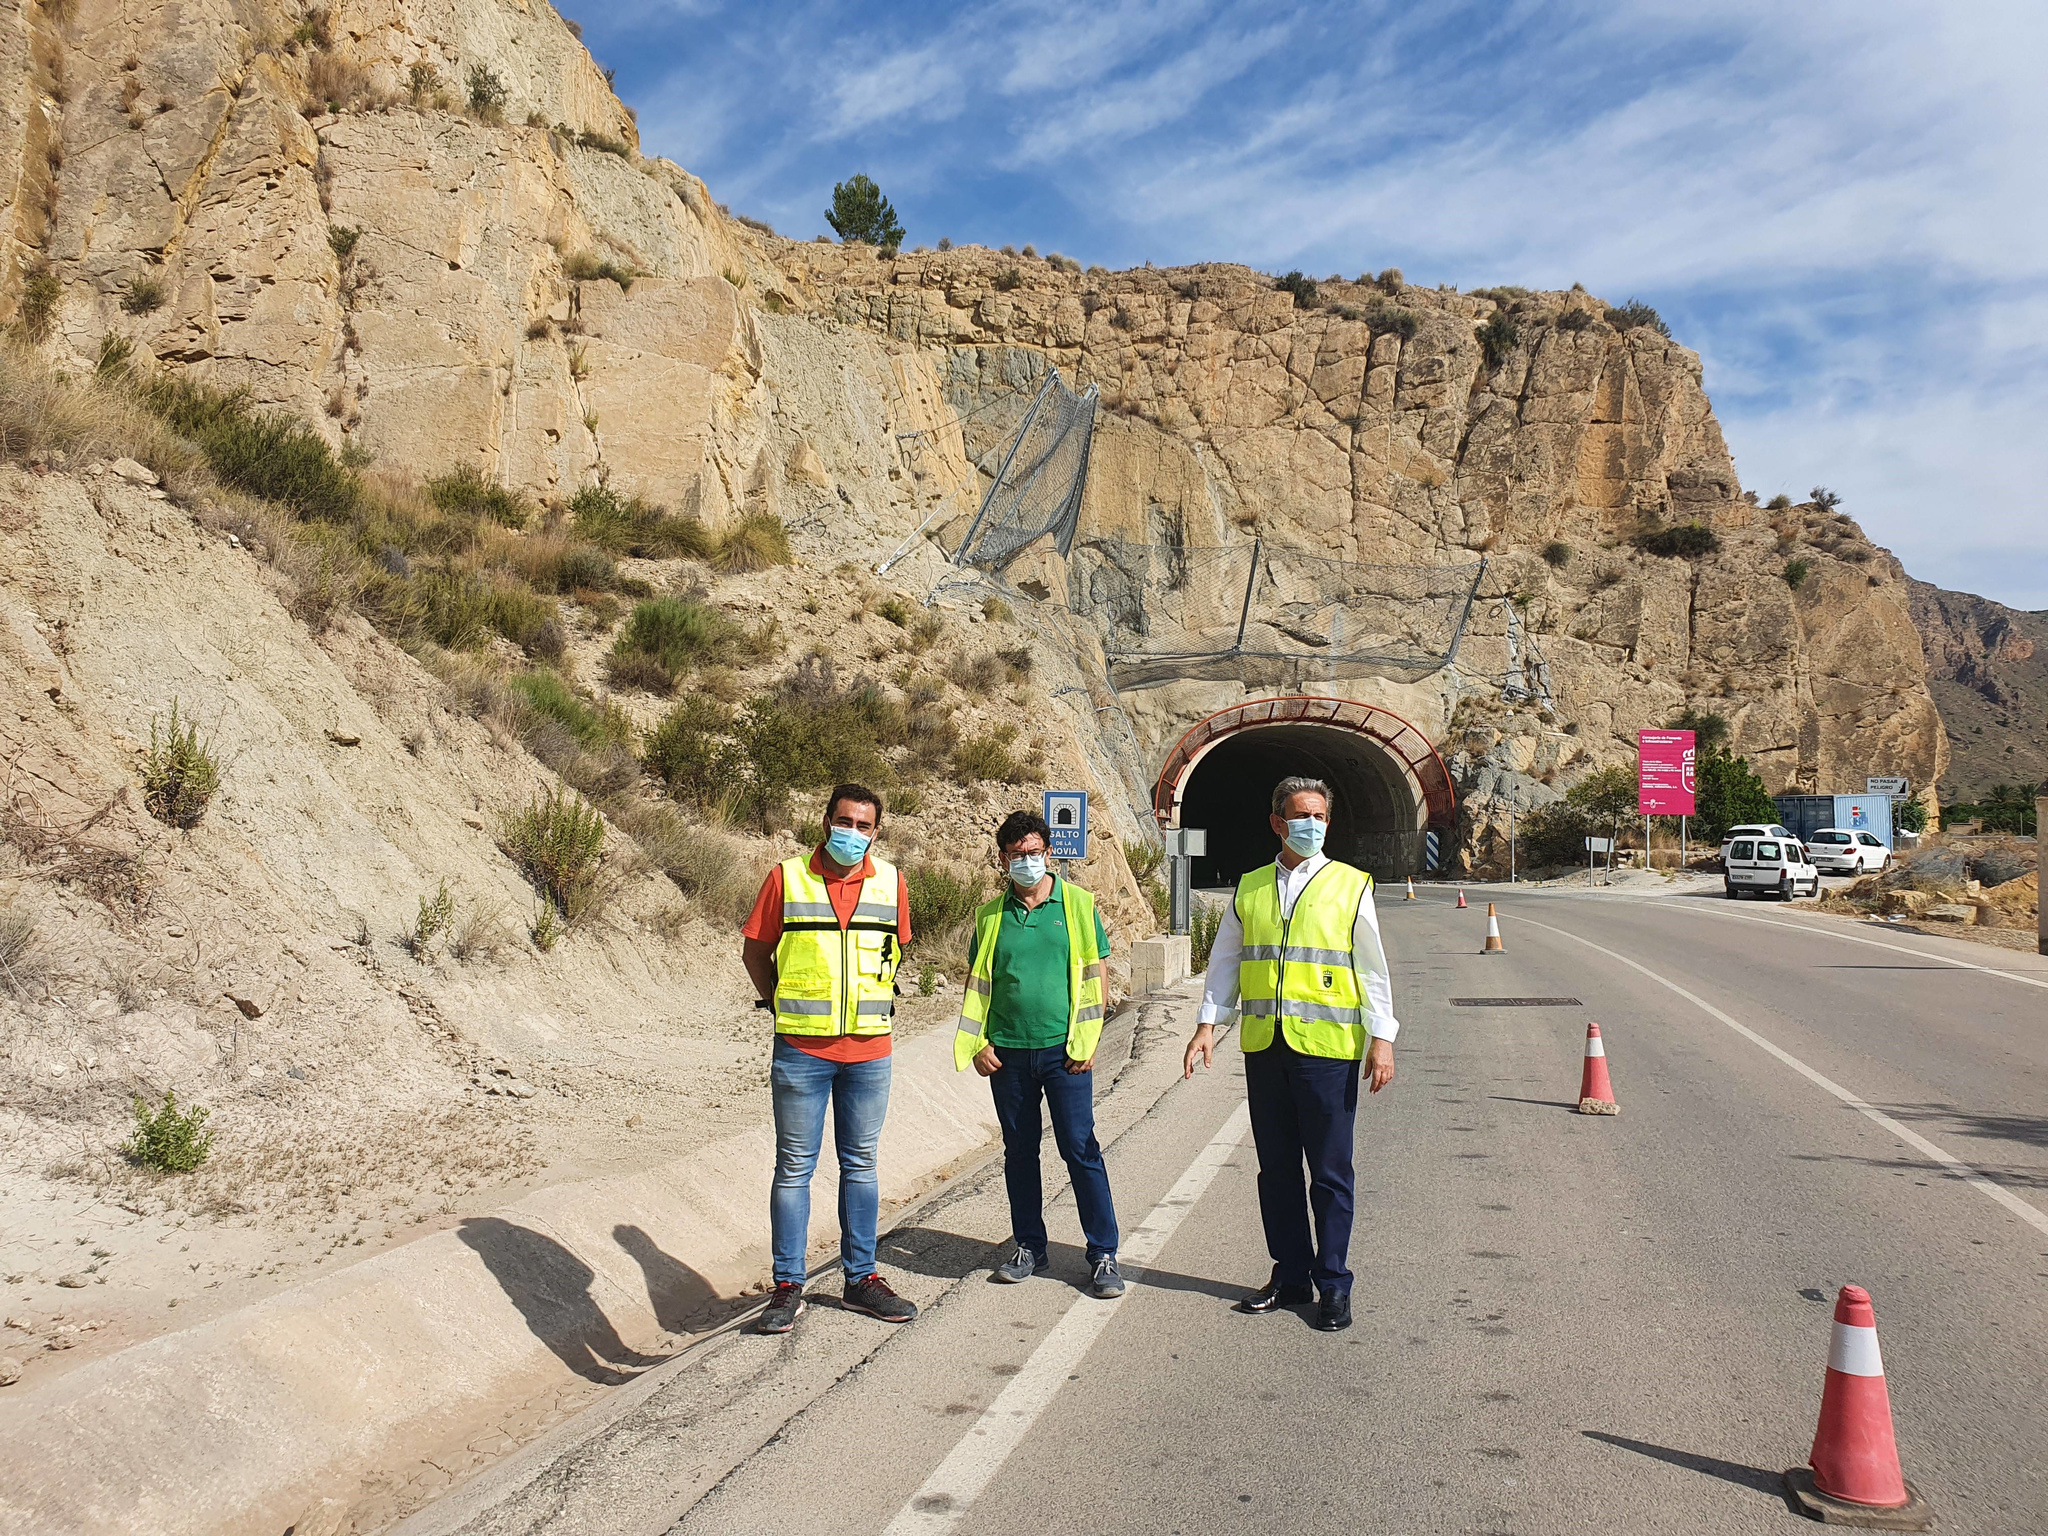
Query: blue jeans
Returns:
{"type": "Point", "coordinates": [1026, 1077]}
{"type": "Point", "coordinates": [859, 1094]}
{"type": "Point", "coordinates": [1304, 1114]}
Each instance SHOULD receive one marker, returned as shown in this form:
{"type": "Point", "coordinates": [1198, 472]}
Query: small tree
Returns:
{"type": "Point", "coordinates": [860, 212]}
{"type": "Point", "coordinates": [1824, 498]}
{"type": "Point", "coordinates": [1730, 794]}
{"type": "Point", "coordinates": [1607, 796]}
{"type": "Point", "coordinates": [1912, 816]}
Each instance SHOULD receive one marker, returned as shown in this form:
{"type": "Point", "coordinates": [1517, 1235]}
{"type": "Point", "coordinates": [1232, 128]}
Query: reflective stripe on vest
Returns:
{"type": "Point", "coordinates": [831, 980]}
{"type": "Point", "coordinates": [1084, 978]}
{"type": "Point", "coordinates": [1295, 970]}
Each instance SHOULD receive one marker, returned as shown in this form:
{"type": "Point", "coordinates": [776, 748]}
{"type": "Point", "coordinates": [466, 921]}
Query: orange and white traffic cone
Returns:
{"type": "Point", "coordinates": [1461, 898]}
{"type": "Point", "coordinates": [1596, 1093]}
{"type": "Point", "coordinates": [1853, 1477]}
{"type": "Point", "coordinates": [1492, 945]}
{"type": "Point", "coordinates": [1411, 889]}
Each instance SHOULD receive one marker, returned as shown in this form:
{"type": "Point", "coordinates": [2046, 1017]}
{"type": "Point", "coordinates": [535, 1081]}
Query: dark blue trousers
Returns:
{"type": "Point", "coordinates": [1304, 1110]}
{"type": "Point", "coordinates": [1027, 1079]}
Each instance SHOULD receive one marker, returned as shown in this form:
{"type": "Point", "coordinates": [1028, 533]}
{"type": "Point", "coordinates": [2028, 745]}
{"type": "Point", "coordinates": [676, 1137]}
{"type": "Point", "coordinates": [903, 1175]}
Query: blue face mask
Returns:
{"type": "Point", "coordinates": [847, 846]}
{"type": "Point", "coordinates": [1027, 870]}
{"type": "Point", "coordinates": [1305, 836]}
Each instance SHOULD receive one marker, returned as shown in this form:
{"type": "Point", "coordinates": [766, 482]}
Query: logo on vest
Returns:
{"type": "Point", "coordinates": [1328, 980]}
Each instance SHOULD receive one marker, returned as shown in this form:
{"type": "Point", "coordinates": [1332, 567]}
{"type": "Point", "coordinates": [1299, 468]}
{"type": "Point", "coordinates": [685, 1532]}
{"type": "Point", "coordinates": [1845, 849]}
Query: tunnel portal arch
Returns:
{"type": "Point", "coordinates": [1388, 783]}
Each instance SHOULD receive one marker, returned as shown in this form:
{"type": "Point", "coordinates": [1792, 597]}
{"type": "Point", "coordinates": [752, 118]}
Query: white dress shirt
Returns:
{"type": "Point", "coordinates": [1368, 958]}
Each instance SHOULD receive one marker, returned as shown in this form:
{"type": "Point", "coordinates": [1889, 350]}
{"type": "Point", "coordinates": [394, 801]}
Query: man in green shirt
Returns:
{"type": "Point", "coordinates": [1030, 1024]}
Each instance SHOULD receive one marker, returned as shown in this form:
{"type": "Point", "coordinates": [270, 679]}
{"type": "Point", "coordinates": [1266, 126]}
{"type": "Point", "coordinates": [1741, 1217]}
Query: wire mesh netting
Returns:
{"type": "Point", "coordinates": [1037, 490]}
{"type": "Point", "coordinates": [1171, 611]}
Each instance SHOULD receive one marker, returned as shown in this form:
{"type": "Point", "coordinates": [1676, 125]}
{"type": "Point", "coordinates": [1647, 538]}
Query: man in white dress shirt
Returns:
{"type": "Point", "coordinates": [1301, 943]}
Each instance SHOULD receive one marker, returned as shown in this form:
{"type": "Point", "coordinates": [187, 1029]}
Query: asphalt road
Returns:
{"type": "Point", "coordinates": [1564, 1323]}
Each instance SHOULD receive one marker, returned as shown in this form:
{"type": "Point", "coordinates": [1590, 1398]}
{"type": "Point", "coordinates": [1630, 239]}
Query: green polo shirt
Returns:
{"type": "Point", "coordinates": [1028, 997]}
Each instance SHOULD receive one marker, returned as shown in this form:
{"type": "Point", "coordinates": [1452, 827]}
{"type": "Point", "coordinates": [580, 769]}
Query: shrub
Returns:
{"type": "Point", "coordinates": [40, 291]}
{"type": "Point", "coordinates": [143, 295]}
{"type": "Point", "coordinates": [754, 543]}
{"type": "Point", "coordinates": [1205, 922]}
{"type": "Point", "coordinates": [1635, 313]}
{"type": "Point", "coordinates": [896, 611]}
{"type": "Point", "coordinates": [334, 83]}
{"type": "Point", "coordinates": [1686, 541]}
{"type": "Point", "coordinates": [988, 757]}
{"type": "Point", "coordinates": [1144, 860]}
{"type": "Point", "coordinates": [941, 902]}
{"type": "Point", "coordinates": [719, 871]}
{"type": "Point", "coordinates": [1498, 337]}
{"type": "Point", "coordinates": [1008, 280]}
{"type": "Point", "coordinates": [811, 733]}
{"type": "Point", "coordinates": [610, 146]}
{"type": "Point", "coordinates": [1557, 553]}
{"type": "Point", "coordinates": [1912, 816]}
{"type": "Point", "coordinates": [436, 913]}
{"type": "Point", "coordinates": [1555, 834]}
{"type": "Point", "coordinates": [422, 81]}
{"type": "Point", "coordinates": [585, 569]}
{"type": "Point", "coordinates": [1796, 572]}
{"type": "Point", "coordinates": [268, 455]}
{"type": "Point", "coordinates": [1779, 503]}
{"type": "Point", "coordinates": [168, 1139]}
{"type": "Point", "coordinates": [1575, 320]}
{"type": "Point", "coordinates": [179, 775]}
{"type": "Point", "coordinates": [342, 240]}
{"type": "Point", "coordinates": [593, 726]}
{"type": "Point", "coordinates": [556, 842]}
{"type": "Point", "coordinates": [465, 491]}
{"type": "Point", "coordinates": [629, 526]}
{"type": "Point", "coordinates": [679, 634]}
{"type": "Point", "coordinates": [974, 676]}
{"type": "Point", "coordinates": [996, 611]}
{"type": "Point", "coordinates": [945, 242]}
{"type": "Point", "coordinates": [691, 751]}
{"type": "Point", "coordinates": [1403, 323]}
{"type": "Point", "coordinates": [1391, 280]}
{"type": "Point", "coordinates": [1016, 663]}
{"type": "Point", "coordinates": [860, 212]}
{"type": "Point", "coordinates": [587, 267]}
{"type": "Point", "coordinates": [1823, 498]}
{"type": "Point", "coordinates": [487, 94]}
{"type": "Point", "coordinates": [1302, 288]}
{"type": "Point", "coordinates": [21, 969]}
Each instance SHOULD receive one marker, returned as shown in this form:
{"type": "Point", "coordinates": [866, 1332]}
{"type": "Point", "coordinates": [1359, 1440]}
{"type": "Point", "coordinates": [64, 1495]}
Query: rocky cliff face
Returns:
{"type": "Point", "coordinates": [317, 206]}
{"type": "Point", "coordinates": [1987, 666]}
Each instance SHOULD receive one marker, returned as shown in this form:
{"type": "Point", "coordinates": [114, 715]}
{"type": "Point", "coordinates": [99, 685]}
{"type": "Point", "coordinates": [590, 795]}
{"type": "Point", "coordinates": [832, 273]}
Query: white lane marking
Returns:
{"type": "Point", "coordinates": [947, 1495]}
{"type": "Point", "coordinates": [1674, 903]}
{"type": "Point", "coordinates": [1911, 1138]}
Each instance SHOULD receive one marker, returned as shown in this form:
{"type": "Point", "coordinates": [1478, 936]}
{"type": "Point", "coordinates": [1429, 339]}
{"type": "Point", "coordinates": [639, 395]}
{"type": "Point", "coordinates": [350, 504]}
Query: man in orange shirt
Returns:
{"type": "Point", "coordinates": [822, 945]}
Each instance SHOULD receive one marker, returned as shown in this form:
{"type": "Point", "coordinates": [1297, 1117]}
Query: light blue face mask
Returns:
{"type": "Point", "coordinates": [846, 846]}
{"type": "Point", "coordinates": [1026, 870]}
{"type": "Point", "coordinates": [1305, 836]}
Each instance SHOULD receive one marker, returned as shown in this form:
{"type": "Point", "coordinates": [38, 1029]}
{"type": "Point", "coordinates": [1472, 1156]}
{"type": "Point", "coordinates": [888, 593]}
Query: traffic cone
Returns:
{"type": "Point", "coordinates": [1492, 945]}
{"type": "Point", "coordinates": [1852, 1477]}
{"type": "Point", "coordinates": [1411, 888]}
{"type": "Point", "coordinates": [1461, 898]}
{"type": "Point", "coordinates": [1596, 1093]}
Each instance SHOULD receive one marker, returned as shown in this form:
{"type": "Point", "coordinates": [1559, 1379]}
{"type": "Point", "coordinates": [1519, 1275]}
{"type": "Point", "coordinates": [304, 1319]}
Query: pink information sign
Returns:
{"type": "Point", "coordinates": [1664, 782]}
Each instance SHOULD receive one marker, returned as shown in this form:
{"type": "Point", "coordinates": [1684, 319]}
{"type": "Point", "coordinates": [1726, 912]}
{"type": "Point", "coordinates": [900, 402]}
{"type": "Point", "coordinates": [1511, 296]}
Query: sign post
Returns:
{"type": "Point", "coordinates": [1183, 846]}
{"type": "Point", "coordinates": [1895, 787]}
{"type": "Point", "coordinates": [1066, 815]}
{"type": "Point", "coordinates": [1598, 845]}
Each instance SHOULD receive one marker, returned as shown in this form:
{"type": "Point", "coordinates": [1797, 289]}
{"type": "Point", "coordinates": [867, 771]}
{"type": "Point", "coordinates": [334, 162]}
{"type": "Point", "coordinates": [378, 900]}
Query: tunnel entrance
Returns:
{"type": "Point", "coordinates": [1388, 786]}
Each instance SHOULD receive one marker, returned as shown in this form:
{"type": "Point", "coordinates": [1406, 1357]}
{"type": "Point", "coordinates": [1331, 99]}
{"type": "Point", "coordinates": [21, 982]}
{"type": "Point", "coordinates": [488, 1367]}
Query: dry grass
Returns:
{"type": "Point", "coordinates": [23, 969]}
{"type": "Point", "coordinates": [720, 871]}
{"type": "Point", "coordinates": [84, 420]}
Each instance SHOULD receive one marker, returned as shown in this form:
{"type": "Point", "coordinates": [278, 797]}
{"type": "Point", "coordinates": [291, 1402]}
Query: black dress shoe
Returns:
{"type": "Point", "coordinates": [1334, 1311]}
{"type": "Point", "coordinates": [1274, 1295]}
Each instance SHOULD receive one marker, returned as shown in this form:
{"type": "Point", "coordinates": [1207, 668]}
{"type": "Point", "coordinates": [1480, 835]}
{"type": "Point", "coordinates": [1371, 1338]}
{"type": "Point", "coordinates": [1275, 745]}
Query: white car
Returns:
{"type": "Point", "coordinates": [1769, 865]}
{"type": "Point", "coordinates": [1752, 830]}
{"type": "Point", "coordinates": [1847, 851]}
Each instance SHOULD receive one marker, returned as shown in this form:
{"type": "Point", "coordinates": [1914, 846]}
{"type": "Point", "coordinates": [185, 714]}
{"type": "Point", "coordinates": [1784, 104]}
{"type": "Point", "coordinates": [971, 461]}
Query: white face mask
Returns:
{"type": "Point", "coordinates": [1026, 870]}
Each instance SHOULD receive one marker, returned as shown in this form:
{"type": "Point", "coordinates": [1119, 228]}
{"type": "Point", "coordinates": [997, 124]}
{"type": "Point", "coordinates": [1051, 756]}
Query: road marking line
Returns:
{"type": "Point", "coordinates": [1912, 1138]}
{"type": "Point", "coordinates": [947, 1495]}
{"type": "Point", "coordinates": [1673, 904]}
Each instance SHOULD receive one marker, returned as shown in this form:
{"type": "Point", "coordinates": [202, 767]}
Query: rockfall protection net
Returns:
{"type": "Point", "coordinates": [1037, 490]}
{"type": "Point", "coordinates": [1265, 614]}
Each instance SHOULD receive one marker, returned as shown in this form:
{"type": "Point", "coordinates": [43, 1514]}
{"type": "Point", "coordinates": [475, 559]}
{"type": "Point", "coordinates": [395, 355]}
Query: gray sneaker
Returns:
{"type": "Point", "coordinates": [1108, 1281]}
{"type": "Point", "coordinates": [1021, 1265]}
{"type": "Point", "coordinates": [872, 1294]}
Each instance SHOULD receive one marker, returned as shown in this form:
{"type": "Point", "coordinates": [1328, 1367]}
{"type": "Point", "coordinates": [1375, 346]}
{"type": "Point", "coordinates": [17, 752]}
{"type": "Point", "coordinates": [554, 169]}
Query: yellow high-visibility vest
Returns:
{"type": "Point", "coordinates": [1296, 971]}
{"type": "Point", "coordinates": [1084, 979]}
{"type": "Point", "coordinates": [829, 980]}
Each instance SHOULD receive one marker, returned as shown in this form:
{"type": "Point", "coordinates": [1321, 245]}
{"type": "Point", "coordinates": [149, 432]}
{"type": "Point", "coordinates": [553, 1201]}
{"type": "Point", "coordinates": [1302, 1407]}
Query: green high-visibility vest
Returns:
{"type": "Point", "coordinates": [1084, 979]}
{"type": "Point", "coordinates": [829, 980]}
{"type": "Point", "coordinates": [1296, 971]}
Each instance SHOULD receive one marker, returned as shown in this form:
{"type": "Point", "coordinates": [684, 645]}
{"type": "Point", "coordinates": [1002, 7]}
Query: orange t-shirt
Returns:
{"type": "Point", "coordinates": [765, 924]}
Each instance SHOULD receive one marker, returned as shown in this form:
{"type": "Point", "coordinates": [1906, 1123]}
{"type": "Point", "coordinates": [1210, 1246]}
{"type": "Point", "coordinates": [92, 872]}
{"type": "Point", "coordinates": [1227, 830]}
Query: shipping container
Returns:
{"type": "Point", "coordinates": [1807, 814]}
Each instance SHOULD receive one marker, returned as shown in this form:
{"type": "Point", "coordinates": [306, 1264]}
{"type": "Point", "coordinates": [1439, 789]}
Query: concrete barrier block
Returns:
{"type": "Point", "coordinates": [1159, 962]}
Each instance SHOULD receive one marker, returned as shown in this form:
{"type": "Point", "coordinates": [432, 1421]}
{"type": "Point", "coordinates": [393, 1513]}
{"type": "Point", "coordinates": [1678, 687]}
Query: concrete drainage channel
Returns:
{"type": "Point", "coordinates": [347, 1404]}
{"type": "Point", "coordinates": [709, 1409]}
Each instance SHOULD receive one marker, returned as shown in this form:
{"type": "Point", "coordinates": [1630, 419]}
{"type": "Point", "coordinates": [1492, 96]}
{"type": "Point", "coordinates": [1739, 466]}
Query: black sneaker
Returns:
{"type": "Point", "coordinates": [1334, 1311]}
{"type": "Point", "coordinates": [1273, 1295]}
{"type": "Point", "coordinates": [873, 1296]}
{"type": "Point", "coordinates": [785, 1306]}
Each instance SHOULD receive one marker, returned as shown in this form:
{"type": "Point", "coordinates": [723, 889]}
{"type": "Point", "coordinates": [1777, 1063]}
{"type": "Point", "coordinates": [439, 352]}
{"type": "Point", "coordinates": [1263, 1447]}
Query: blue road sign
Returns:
{"type": "Point", "coordinates": [1066, 812]}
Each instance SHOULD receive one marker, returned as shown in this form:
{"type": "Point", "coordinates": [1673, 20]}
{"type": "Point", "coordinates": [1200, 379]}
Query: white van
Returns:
{"type": "Point", "coordinates": [1769, 864]}
{"type": "Point", "coordinates": [1847, 851]}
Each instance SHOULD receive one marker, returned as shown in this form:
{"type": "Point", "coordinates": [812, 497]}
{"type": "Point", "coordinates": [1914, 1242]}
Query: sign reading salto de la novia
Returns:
{"type": "Point", "coordinates": [1066, 814]}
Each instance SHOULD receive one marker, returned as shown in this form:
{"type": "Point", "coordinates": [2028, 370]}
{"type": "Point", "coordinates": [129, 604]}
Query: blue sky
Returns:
{"type": "Point", "coordinates": [1842, 207]}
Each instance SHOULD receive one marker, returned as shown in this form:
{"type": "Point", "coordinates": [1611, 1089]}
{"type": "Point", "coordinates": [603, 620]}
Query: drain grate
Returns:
{"type": "Point", "coordinates": [1516, 1002]}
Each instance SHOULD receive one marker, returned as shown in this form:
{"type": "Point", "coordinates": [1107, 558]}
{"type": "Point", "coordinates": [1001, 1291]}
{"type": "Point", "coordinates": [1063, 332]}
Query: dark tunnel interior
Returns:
{"type": "Point", "coordinates": [1373, 818]}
